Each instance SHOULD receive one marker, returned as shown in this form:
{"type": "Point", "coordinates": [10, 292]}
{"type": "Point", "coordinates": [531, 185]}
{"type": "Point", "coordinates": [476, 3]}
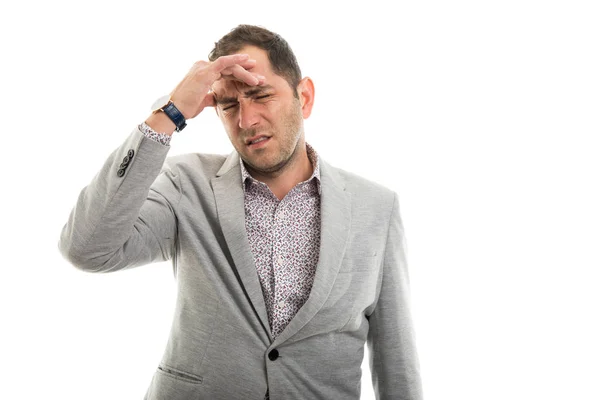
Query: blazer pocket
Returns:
{"type": "Point", "coordinates": [176, 374]}
{"type": "Point", "coordinates": [172, 384]}
{"type": "Point", "coordinates": [359, 263]}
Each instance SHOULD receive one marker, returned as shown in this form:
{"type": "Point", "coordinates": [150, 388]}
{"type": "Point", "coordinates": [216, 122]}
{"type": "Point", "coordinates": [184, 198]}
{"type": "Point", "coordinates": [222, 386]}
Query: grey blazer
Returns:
{"type": "Point", "coordinates": [142, 208]}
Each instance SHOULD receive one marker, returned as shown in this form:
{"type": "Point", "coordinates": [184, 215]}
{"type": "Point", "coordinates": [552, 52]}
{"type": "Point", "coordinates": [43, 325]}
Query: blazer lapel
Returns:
{"type": "Point", "coordinates": [335, 230]}
{"type": "Point", "coordinates": [229, 197]}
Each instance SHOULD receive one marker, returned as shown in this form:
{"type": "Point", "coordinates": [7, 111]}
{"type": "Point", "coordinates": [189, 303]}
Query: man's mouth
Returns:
{"type": "Point", "coordinates": [256, 139]}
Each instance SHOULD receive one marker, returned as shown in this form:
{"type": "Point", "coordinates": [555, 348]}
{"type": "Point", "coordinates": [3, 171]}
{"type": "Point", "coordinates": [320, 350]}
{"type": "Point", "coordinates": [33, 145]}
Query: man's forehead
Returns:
{"type": "Point", "coordinates": [232, 91]}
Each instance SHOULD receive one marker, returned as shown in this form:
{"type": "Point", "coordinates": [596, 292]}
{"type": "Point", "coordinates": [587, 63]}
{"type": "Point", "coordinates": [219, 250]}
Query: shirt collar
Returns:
{"type": "Point", "coordinates": [313, 157]}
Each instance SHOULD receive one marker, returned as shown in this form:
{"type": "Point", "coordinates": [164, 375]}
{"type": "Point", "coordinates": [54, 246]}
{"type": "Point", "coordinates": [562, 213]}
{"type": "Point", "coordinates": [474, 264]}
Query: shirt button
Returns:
{"type": "Point", "coordinates": [280, 260]}
{"type": "Point", "coordinates": [281, 304]}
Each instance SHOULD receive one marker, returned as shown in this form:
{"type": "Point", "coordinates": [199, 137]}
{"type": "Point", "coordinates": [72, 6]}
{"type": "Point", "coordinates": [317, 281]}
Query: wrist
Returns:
{"type": "Point", "coordinates": [160, 122]}
{"type": "Point", "coordinates": [166, 108]}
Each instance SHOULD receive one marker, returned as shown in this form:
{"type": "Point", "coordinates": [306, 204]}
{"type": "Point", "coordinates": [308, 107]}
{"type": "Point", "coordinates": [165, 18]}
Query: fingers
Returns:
{"type": "Point", "coordinates": [228, 61]}
{"type": "Point", "coordinates": [239, 73]}
{"type": "Point", "coordinates": [236, 66]}
{"type": "Point", "coordinates": [250, 63]}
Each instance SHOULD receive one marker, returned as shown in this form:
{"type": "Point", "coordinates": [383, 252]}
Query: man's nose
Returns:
{"type": "Point", "coordinates": [249, 116]}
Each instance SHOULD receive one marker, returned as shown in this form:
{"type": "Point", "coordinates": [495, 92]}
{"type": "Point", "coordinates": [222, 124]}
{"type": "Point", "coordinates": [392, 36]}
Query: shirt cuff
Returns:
{"type": "Point", "coordinates": [152, 134]}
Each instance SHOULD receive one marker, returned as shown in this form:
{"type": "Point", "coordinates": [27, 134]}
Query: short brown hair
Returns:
{"type": "Point", "coordinates": [283, 61]}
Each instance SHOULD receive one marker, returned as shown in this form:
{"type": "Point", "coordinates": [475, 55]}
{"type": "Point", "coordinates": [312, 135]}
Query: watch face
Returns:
{"type": "Point", "coordinates": [160, 102]}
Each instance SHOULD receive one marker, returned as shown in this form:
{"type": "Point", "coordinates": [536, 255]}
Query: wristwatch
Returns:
{"type": "Point", "coordinates": [165, 105]}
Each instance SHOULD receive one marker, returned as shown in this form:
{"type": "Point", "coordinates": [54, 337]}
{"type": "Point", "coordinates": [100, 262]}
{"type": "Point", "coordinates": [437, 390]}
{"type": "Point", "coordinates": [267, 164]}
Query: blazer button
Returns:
{"type": "Point", "coordinates": [126, 160]}
{"type": "Point", "coordinates": [273, 355]}
{"type": "Point", "coordinates": [120, 172]}
{"type": "Point", "coordinates": [130, 153]}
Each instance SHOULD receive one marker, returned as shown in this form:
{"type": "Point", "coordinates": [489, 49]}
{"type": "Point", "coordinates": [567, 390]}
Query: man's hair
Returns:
{"type": "Point", "coordinates": [282, 59]}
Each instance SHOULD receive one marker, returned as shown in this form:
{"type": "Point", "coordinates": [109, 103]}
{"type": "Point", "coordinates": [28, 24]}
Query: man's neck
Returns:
{"type": "Point", "coordinates": [283, 181]}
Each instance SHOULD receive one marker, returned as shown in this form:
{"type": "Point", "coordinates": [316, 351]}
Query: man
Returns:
{"type": "Point", "coordinates": [285, 265]}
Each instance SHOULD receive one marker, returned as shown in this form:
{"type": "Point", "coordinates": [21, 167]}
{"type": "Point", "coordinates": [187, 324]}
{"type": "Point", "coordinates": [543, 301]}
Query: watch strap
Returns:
{"type": "Point", "coordinates": [175, 115]}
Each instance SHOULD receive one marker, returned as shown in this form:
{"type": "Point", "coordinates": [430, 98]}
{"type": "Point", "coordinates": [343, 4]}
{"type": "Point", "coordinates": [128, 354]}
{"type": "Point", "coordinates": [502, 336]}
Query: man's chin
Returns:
{"type": "Point", "coordinates": [264, 167]}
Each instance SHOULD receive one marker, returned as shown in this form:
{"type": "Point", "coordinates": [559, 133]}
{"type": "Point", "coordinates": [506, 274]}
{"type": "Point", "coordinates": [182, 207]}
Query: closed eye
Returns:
{"type": "Point", "coordinates": [236, 104]}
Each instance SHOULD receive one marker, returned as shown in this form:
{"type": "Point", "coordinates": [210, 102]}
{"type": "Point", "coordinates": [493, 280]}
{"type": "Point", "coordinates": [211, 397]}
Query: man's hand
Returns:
{"type": "Point", "coordinates": [193, 94]}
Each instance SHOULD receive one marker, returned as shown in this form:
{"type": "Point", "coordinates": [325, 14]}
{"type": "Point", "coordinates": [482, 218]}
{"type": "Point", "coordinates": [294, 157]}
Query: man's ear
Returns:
{"type": "Point", "coordinates": [306, 93]}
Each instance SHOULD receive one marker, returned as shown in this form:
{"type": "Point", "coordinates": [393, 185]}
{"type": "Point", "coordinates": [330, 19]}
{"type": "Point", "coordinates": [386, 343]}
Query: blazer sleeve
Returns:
{"type": "Point", "coordinates": [391, 339]}
{"type": "Point", "coordinates": [126, 216]}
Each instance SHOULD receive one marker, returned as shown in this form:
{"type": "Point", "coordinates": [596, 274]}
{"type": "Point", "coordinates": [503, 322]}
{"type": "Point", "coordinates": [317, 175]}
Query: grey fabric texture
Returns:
{"type": "Point", "coordinates": [190, 209]}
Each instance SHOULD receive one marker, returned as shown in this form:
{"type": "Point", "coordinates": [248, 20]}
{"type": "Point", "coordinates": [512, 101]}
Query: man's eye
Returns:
{"type": "Point", "coordinates": [233, 105]}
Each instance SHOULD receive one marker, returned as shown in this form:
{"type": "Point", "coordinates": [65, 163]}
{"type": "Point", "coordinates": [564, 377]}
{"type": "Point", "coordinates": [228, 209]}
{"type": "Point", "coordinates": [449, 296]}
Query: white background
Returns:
{"type": "Point", "coordinates": [483, 116]}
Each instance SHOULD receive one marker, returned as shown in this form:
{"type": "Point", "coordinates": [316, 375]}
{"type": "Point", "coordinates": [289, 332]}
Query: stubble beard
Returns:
{"type": "Point", "coordinates": [288, 140]}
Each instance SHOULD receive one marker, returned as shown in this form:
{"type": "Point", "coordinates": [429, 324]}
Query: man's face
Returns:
{"type": "Point", "coordinates": [270, 109]}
